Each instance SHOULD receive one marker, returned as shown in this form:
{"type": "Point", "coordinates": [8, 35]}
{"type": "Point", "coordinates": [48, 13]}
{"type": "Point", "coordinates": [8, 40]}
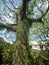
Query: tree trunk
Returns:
{"type": "Point", "coordinates": [22, 54]}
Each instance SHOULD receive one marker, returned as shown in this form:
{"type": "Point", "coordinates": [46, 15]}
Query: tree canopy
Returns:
{"type": "Point", "coordinates": [22, 21]}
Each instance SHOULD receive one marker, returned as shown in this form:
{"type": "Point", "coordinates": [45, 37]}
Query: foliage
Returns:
{"type": "Point", "coordinates": [20, 52]}
{"type": "Point", "coordinates": [40, 57]}
{"type": "Point", "coordinates": [7, 53]}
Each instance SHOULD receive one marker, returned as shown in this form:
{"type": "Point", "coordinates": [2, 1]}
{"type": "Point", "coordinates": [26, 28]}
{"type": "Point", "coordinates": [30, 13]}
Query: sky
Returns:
{"type": "Point", "coordinates": [9, 36]}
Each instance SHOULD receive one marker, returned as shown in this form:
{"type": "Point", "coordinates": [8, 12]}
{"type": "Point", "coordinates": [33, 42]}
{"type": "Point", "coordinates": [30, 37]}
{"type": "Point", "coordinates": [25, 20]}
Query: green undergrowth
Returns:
{"type": "Point", "coordinates": [7, 51]}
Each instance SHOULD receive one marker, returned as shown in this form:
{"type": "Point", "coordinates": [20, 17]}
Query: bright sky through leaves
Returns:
{"type": "Point", "coordinates": [10, 18]}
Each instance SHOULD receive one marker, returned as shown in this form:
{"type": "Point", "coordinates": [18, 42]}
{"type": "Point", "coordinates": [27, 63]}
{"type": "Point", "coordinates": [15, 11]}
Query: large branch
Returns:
{"type": "Point", "coordinates": [11, 27]}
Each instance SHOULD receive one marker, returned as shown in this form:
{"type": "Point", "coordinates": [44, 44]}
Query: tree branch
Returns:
{"type": "Point", "coordinates": [12, 4]}
{"type": "Point", "coordinates": [46, 11]}
{"type": "Point", "coordinates": [10, 8]}
{"type": "Point", "coordinates": [11, 27]}
{"type": "Point", "coordinates": [39, 19]}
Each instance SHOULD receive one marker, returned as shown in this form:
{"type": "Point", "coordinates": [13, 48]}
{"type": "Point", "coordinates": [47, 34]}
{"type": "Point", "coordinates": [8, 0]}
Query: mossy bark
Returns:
{"type": "Point", "coordinates": [22, 54]}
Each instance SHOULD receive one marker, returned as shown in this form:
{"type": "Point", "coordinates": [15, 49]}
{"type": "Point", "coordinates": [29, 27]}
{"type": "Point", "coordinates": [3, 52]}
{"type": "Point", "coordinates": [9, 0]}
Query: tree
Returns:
{"type": "Point", "coordinates": [22, 55]}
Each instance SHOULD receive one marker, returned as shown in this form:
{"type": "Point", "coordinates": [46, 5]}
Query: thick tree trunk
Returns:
{"type": "Point", "coordinates": [22, 54]}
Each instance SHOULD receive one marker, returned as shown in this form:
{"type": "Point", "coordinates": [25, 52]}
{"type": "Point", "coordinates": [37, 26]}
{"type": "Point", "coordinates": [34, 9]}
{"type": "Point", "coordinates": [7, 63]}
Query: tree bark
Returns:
{"type": "Point", "coordinates": [22, 54]}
